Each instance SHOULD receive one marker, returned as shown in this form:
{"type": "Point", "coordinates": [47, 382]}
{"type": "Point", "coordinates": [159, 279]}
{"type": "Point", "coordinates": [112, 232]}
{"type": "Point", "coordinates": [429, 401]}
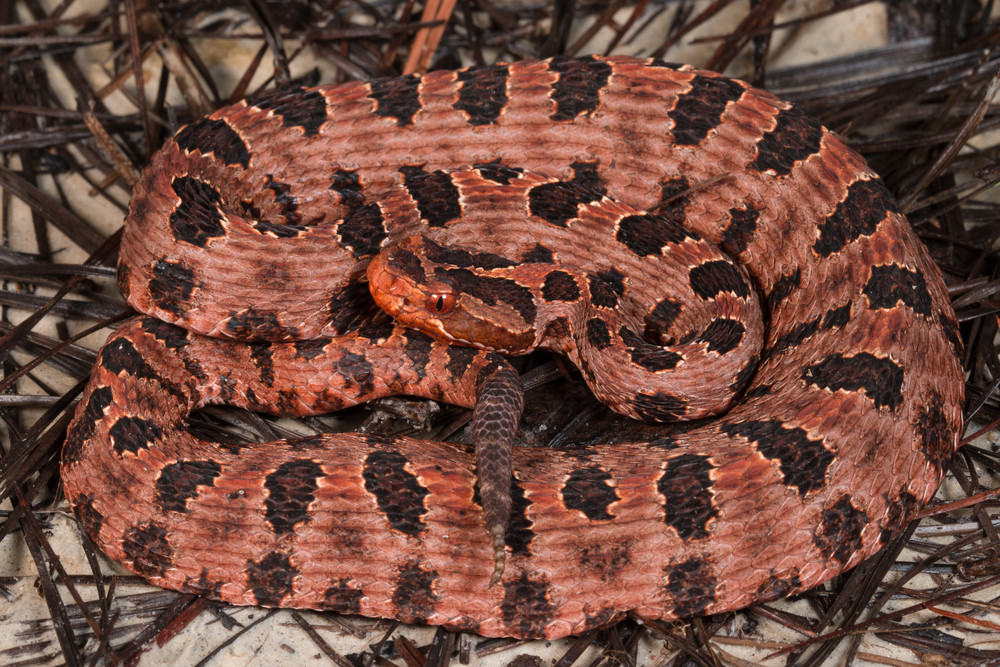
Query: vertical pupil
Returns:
{"type": "Point", "coordinates": [440, 304]}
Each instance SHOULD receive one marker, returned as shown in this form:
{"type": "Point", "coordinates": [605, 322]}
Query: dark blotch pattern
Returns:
{"type": "Point", "coordinates": [691, 585]}
{"type": "Point", "coordinates": [660, 319]}
{"type": "Point", "coordinates": [674, 198]}
{"type": "Point", "coordinates": [700, 111]}
{"type": "Point", "coordinates": [588, 491]}
{"type": "Point", "coordinates": [288, 206]}
{"type": "Point", "coordinates": [463, 258]}
{"type": "Point", "coordinates": [271, 578]}
{"type": "Point", "coordinates": [950, 327]}
{"type": "Point", "coordinates": [203, 585]}
{"type": "Point", "coordinates": [804, 461]}
{"type": "Point", "coordinates": [299, 108]}
{"type": "Point", "coordinates": [839, 536]}
{"type": "Point", "coordinates": [606, 288]}
{"type": "Point", "coordinates": [180, 481]}
{"type": "Point", "coordinates": [418, 351]}
{"type": "Point", "coordinates": [647, 234]}
{"type": "Point", "coordinates": [586, 176]}
{"type": "Point", "coordinates": [794, 337]}
{"type": "Point", "coordinates": [894, 284]}
{"type": "Point", "coordinates": [413, 596]}
{"type": "Point", "coordinates": [197, 218]}
{"type": "Point", "coordinates": [795, 137]}
{"type": "Point", "coordinates": [782, 288]}
{"type": "Point", "coordinates": [712, 278]}
{"type": "Point", "coordinates": [837, 317]}
{"type": "Point", "coordinates": [172, 337]}
{"type": "Point", "coordinates": [309, 349]}
{"type": "Point", "coordinates": [254, 325]}
{"type": "Point", "coordinates": [263, 359]}
{"type": "Point", "coordinates": [578, 89]}
{"type": "Point", "coordinates": [408, 263]}
{"type": "Point", "coordinates": [397, 97]}
{"type": "Point", "coordinates": [773, 589]}
{"type": "Point", "coordinates": [492, 291]}
{"type": "Point", "coordinates": [740, 230]}
{"type": "Point", "coordinates": [519, 532]}
{"type": "Point", "coordinates": [435, 194]}
{"type": "Point", "coordinates": [723, 335]}
{"type": "Point", "coordinates": [119, 355]}
{"type": "Point", "coordinates": [350, 307]}
{"type": "Point", "coordinates": [356, 372]}
{"type": "Point", "coordinates": [598, 334]}
{"type": "Point", "coordinates": [560, 286]}
{"type": "Point", "coordinates": [745, 375]}
{"type": "Point", "coordinates": [936, 432]}
{"type": "Point", "coordinates": [646, 355]}
{"type": "Point", "coordinates": [90, 518]}
{"type": "Point", "coordinates": [214, 136]}
{"type": "Point", "coordinates": [882, 379]}
{"type": "Point", "coordinates": [397, 492]}
{"type": "Point", "coordinates": [557, 203]}
{"type": "Point", "coordinates": [147, 547]}
{"type": "Point", "coordinates": [130, 434]}
{"type": "Point", "coordinates": [290, 490]}
{"type": "Point", "coordinates": [660, 62]}
{"type": "Point", "coordinates": [497, 172]}
{"type": "Point", "coordinates": [483, 93]}
{"type": "Point", "coordinates": [686, 487]}
{"type": "Point", "coordinates": [526, 608]}
{"type": "Point", "coordinates": [342, 598]}
{"type": "Point", "coordinates": [538, 255]}
{"type": "Point", "coordinates": [900, 512]}
{"type": "Point", "coordinates": [659, 407]}
{"type": "Point", "coordinates": [459, 359]}
{"type": "Point", "coordinates": [362, 232]}
{"type": "Point", "coordinates": [84, 427]}
{"type": "Point", "coordinates": [859, 214]}
{"type": "Point", "coordinates": [347, 184]}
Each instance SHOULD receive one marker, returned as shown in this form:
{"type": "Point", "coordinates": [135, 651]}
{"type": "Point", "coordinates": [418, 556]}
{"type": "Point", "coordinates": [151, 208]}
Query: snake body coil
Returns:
{"type": "Point", "coordinates": [848, 416]}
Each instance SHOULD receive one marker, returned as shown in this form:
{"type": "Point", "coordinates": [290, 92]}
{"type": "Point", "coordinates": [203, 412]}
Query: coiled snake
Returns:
{"type": "Point", "coordinates": [258, 223]}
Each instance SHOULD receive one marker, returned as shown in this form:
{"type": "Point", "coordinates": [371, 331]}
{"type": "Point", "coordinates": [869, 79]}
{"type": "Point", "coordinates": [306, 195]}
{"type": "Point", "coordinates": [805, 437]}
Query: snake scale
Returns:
{"type": "Point", "coordinates": [259, 223]}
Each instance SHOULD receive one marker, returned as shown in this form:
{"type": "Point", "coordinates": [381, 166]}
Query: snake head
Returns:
{"type": "Point", "coordinates": [467, 298]}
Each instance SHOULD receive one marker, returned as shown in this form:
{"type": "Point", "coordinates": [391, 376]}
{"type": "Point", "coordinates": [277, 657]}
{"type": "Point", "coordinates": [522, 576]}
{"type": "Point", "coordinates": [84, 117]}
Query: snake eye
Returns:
{"type": "Point", "coordinates": [441, 303]}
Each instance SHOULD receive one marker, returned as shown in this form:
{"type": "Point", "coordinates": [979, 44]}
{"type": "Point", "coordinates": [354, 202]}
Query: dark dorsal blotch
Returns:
{"type": "Point", "coordinates": [880, 377]}
{"type": "Point", "coordinates": [740, 230]}
{"type": "Point", "coordinates": [435, 193]}
{"type": "Point", "coordinates": [483, 94]}
{"type": "Point", "coordinates": [795, 137]}
{"type": "Point", "coordinates": [699, 111]}
{"type": "Point", "coordinates": [362, 232]}
{"type": "Point", "coordinates": [893, 284]}
{"type": "Point", "coordinates": [298, 108]}
{"type": "Point", "coordinates": [197, 218]}
{"type": "Point", "coordinates": [290, 490]}
{"type": "Point", "coordinates": [578, 90]}
{"type": "Point", "coordinates": [178, 482]}
{"type": "Point", "coordinates": [859, 214]}
{"type": "Point", "coordinates": [399, 494]}
{"type": "Point", "coordinates": [586, 175]}
{"type": "Point", "coordinates": [216, 137]}
{"type": "Point", "coordinates": [397, 97]}
{"type": "Point", "coordinates": [557, 203]}
{"type": "Point", "coordinates": [686, 487]}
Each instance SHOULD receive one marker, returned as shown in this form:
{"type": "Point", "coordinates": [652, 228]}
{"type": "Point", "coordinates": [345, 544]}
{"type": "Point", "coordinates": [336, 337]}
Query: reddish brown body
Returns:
{"type": "Point", "coordinates": [842, 435]}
